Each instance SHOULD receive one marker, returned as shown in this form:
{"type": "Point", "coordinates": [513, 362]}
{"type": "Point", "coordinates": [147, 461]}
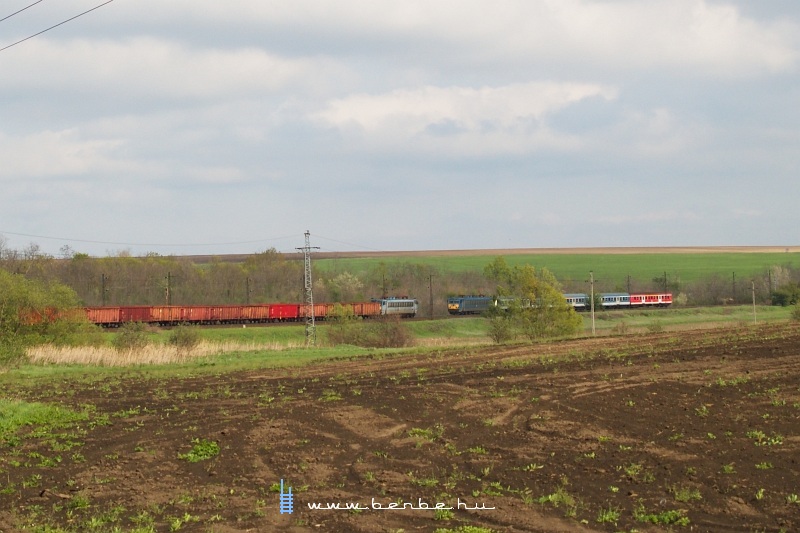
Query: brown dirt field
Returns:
{"type": "Point", "coordinates": [697, 431]}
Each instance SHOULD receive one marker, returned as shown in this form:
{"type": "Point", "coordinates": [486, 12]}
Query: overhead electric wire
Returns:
{"type": "Point", "coordinates": [348, 243]}
{"type": "Point", "coordinates": [142, 243]}
{"type": "Point", "coordinates": [21, 10]}
{"type": "Point", "coordinates": [56, 26]}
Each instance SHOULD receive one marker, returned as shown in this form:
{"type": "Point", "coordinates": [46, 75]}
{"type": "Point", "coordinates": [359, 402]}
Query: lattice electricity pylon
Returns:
{"type": "Point", "coordinates": [311, 329]}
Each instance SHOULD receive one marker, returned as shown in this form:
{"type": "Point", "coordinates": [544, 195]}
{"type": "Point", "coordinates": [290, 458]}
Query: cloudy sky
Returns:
{"type": "Point", "coordinates": [231, 127]}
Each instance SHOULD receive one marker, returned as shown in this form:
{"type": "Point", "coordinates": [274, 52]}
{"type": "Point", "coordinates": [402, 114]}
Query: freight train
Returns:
{"type": "Point", "coordinates": [172, 315]}
{"type": "Point", "coordinates": [473, 305]}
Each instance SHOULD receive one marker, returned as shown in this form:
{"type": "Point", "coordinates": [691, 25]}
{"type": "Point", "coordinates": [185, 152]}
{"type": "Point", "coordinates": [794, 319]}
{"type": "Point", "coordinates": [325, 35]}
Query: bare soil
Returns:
{"type": "Point", "coordinates": [697, 431]}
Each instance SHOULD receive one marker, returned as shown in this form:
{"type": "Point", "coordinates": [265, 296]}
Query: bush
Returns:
{"type": "Point", "coordinates": [786, 295]}
{"type": "Point", "coordinates": [132, 336]}
{"type": "Point", "coordinates": [621, 328]}
{"type": "Point", "coordinates": [387, 332]}
{"type": "Point", "coordinates": [184, 338]}
{"type": "Point", "coordinates": [344, 327]}
{"type": "Point", "coordinates": [500, 329]}
{"type": "Point", "coordinates": [796, 313]}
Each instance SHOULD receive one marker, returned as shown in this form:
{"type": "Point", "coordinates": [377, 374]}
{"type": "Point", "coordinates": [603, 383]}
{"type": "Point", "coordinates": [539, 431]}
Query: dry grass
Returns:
{"type": "Point", "coordinates": [152, 354]}
{"type": "Point", "coordinates": [452, 342]}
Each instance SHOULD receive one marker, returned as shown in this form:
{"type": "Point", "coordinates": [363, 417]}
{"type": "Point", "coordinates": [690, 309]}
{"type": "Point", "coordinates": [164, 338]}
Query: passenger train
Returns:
{"type": "Point", "coordinates": [469, 305]}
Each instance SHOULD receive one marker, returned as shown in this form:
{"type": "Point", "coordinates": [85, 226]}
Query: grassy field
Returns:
{"type": "Point", "coordinates": [609, 268]}
{"type": "Point", "coordinates": [227, 349]}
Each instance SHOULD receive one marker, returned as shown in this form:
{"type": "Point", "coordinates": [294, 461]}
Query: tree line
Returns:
{"type": "Point", "coordinates": [270, 276]}
{"type": "Point", "coordinates": [34, 287]}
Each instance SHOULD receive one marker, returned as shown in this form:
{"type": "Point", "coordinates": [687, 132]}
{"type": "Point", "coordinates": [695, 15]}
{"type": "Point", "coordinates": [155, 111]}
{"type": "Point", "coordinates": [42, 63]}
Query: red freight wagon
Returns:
{"type": "Point", "coordinates": [320, 310]}
{"type": "Point", "coordinates": [134, 313]}
{"type": "Point", "coordinates": [366, 309]}
{"type": "Point", "coordinates": [103, 316]}
{"type": "Point", "coordinates": [195, 314]}
{"type": "Point", "coordinates": [279, 312]}
{"type": "Point", "coordinates": [226, 313]}
{"type": "Point", "coordinates": [166, 314]}
{"type": "Point", "coordinates": [255, 313]}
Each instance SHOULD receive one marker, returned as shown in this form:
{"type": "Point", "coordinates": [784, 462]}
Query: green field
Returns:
{"type": "Point", "coordinates": [282, 346]}
{"type": "Point", "coordinates": [609, 269]}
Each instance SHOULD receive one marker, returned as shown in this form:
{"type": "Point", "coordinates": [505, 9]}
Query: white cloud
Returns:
{"type": "Point", "coordinates": [488, 119]}
{"type": "Point", "coordinates": [655, 133]}
{"type": "Point", "coordinates": [684, 34]}
{"type": "Point", "coordinates": [471, 109]}
{"type": "Point", "coordinates": [152, 67]}
{"type": "Point", "coordinates": [628, 34]}
{"type": "Point", "coordinates": [218, 175]}
{"type": "Point", "coordinates": [655, 215]}
{"type": "Point", "coordinates": [51, 153]}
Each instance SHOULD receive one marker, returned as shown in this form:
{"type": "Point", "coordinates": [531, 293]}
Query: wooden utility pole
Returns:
{"type": "Point", "coordinates": [430, 293]}
{"type": "Point", "coordinates": [591, 280]}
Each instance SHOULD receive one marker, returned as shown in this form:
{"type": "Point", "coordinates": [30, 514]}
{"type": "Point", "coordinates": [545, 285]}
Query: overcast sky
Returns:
{"type": "Point", "coordinates": [190, 126]}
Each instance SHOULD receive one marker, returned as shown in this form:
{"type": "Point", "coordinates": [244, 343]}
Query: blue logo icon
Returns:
{"type": "Point", "coordinates": [287, 500]}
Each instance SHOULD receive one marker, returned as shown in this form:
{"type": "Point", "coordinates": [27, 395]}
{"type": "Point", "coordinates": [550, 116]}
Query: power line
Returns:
{"type": "Point", "coordinates": [186, 245]}
{"type": "Point", "coordinates": [141, 243]}
{"type": "Point", "coordinates": [359, 246]}
{"type": "Point", "coordinates": [56, 26]}
{"type": "Point", "coordinates": [21, 10]}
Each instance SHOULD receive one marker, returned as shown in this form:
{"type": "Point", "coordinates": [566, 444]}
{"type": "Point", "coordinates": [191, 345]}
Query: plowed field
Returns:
{"type": "Point", "coordinates": [692, 432]}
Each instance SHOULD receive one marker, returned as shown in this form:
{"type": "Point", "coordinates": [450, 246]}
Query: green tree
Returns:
{"type": "Point", "coordinates": [345, 287]}
{"type": "Point", "coordinates": [788, 294]}
{"type": "Point", "coordinates": [541, 310]}
{"type": "Point", "coordinates": [33, 312]}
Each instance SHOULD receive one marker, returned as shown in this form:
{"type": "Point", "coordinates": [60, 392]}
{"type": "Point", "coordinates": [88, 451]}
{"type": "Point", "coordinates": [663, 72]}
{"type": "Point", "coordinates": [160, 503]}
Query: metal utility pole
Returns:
{"type": "Point", "coordinates": [103, 279]}
{"type": "Point", "coordinates": [247, 289]}
{"type": "Point", "coordinates": [168, 289]}
{"type": "Point", "coordinates": [311, 330]}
